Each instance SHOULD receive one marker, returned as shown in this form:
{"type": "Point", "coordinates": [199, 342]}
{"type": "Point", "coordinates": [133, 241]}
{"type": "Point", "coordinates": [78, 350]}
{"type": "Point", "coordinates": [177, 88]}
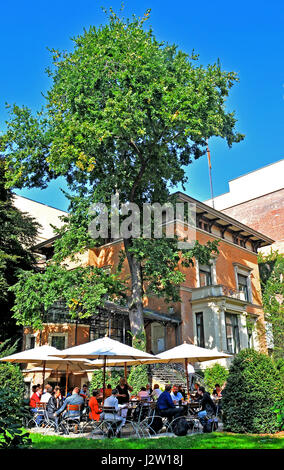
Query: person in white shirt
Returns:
{"type": "Point", "coordinates": [47, 394]}
{"type": "Point", "coordinates": [176, 395]}
{"type": "Point", "coordinates": [156, 392]}
{"type": "Point", "coordinates": [191, 372]}
{"type": "Point", "coordinates": [112, 401]}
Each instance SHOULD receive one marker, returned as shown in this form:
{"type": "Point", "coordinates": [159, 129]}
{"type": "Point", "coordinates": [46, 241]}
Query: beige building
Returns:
{"type": "Point", "coordinates": [45, 215]}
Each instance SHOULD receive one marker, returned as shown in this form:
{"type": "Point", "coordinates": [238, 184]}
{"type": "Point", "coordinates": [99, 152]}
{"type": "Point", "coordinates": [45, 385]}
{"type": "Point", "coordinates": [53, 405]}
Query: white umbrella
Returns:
{"type": "Point", "coordinates": [48, 355]}
{"type": "Point", "coordinates": [189, 352]}
{"type": "Point", "coordinates": [105, 348]}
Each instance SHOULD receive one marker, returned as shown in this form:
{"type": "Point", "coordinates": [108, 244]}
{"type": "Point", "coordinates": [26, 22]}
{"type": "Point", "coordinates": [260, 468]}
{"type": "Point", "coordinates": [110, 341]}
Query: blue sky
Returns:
{"type": "Point", "coordinates": [247, 37]}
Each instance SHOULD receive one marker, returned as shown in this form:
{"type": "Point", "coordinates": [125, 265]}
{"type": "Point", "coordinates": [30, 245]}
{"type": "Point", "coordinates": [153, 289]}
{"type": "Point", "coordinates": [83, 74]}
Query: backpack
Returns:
{"type": "Point", "coordinates": [210, 425]}
{"type": "Point", "coordinates": [156, 425]}
{"type": "Point", "coordinates": [181, 427]}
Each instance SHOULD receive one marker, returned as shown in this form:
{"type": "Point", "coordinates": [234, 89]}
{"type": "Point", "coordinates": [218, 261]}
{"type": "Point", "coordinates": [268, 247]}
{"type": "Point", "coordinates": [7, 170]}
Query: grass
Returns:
{"type": "Point", "coordinates": [198, 441]}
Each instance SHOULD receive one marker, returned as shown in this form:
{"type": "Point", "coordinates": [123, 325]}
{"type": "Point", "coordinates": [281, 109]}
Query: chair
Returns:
{"type": "Point", "coordinates": [33, 422]}
{"type": "Point", "coordinates": [71, 422]}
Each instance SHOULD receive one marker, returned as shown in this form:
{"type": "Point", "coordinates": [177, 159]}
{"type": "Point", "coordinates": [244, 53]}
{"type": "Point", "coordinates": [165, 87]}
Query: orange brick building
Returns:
{"type": "Point", "coordinates": [220, 303]}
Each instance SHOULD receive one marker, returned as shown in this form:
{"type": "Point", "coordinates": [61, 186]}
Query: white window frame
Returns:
{"type": "Point", "coordinates": [212, 270]}
{"type": "Point", "coordinates": [28, 340]}
{"type": "Point", "coordinates": [246, 272]}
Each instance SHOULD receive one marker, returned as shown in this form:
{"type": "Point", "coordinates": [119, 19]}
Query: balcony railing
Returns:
{"type": "Point", "coordinates": [217, 291]}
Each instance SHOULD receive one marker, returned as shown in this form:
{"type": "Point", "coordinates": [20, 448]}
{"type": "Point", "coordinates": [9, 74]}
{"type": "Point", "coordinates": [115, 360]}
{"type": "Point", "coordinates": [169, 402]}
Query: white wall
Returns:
{"type": "Point", "coordinates": [45, 215]}
{"type": "Point", "coordinates": [252, 185]}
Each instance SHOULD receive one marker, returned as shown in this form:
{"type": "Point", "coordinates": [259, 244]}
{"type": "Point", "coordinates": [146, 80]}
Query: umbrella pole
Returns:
{"type": "Point", "coordinates": [104, 380]}
{"type": "Point", "coordinates": [187, 378]}
{"type": "Point", "coordinates": [43, 376]}
{"type": "Point", "coordinates": [125, 371]}
{"type": "Point", "coordinates": [67, 373]}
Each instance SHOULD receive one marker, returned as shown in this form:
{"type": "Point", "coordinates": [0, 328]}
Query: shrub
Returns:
{"type": "Point", "coordinates": [216, 374]}
{"type": "Point", "coordinates": [10, 374]}
{"type": "Point", "coordinates": [278, 408]}
{"type": "Point", "coordinates": [253, 387]}
{"type": "Point", "coordinates": [279, 363]}
{"type": "Point", "coordinates": [12, 414]}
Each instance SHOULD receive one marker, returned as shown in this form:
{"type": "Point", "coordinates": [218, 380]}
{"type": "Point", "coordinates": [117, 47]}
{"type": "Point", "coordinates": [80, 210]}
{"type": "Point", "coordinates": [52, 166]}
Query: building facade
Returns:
{"type": "Point", "coordinates": [257, 200]}
{"type": "Point", "coordinates": [220, 307]}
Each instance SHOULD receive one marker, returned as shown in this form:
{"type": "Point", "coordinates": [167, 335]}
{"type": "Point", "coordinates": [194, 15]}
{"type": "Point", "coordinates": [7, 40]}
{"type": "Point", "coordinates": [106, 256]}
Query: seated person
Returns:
{"type": "Point", "coordinates": [176, 395]}
{"type": "Point", "coordinates": [34, 403]}
{"type": "Point", "coordinates": [149, 389]}
{"type": "Point", "coordinates": [181, 390]}
{"type": "Point", "coordinates": [74, 399]}
{"type": "Point", "coordinates": [54, 403]}
{"type": "Point", "coordinates": [166, 406]}
{"type": "Point", "coordinates": [197, 396]}
{"type": "Point", "coordinates": [156, 392]}
{"type": "Point", "coordinates": [108, 391]}
{"type": "Point", "coordinates": [84, 392]}
{"type": "Point", "coordinates": [46, 394]}
{"type": "Point", "coordinates": [207, 406]}
{"type": "Point", "coordinates": [143, 394]}
{"type": "Point", "coordinates": [114, 417]}
{"type": "Point", "coordinates": [94, 406]}
{"type": "Point", "coordinates": [217, 392]}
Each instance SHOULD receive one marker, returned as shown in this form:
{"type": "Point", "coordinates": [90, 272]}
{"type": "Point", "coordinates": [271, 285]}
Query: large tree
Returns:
{"type": "Point", "coordinates": [17, 234]}
{"type": "Point", "coordinates": [125, 114]}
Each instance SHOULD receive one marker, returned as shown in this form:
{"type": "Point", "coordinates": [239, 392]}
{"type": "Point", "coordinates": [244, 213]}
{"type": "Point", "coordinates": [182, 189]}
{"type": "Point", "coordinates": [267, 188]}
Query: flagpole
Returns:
{"type": "Point", "coordinates": [210, 175]}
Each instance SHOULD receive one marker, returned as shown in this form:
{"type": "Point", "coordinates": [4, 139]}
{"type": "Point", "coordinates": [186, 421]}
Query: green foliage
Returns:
{"type": "Point", "coordinates": [120, 92]}
{"type": "Point", "coordinates": [138, 377]}
{"type": "Point", "coordinates": [112, 377]}
{"type": "Point", "coordinates": [271, 269]}
{"type": "Point", "coordinates": [125, 113]}
{"type": "Point", "coordinates": [279, 364]}
{"type": "Point", "coordinates": [97, 380]}
{"type": "Point", "coordinates": [82, 290]}
{"type": "Point", "coordinates": [253, 387]}
{"type": "Point", "coordinates": [12, 413]}
{"type": "Point", "coordinates": [17, 232]}
{"type": "Point", "coordinates": [216, 374]}
{"type": "Point", "coordinates": [11, 376]}
{"type": "Point", "coordinates": [161, 259]}
{"type": "Point", "coordinates": [278, 408]}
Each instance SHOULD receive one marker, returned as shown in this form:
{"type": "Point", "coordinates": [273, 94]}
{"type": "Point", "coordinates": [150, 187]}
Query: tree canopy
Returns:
{"type": "Point", "coordinates": [125, 114]}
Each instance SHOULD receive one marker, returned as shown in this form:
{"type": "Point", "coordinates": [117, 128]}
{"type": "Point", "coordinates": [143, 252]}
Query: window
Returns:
{"type": "Point", "coordinates": [200, 330]}
{"type": "Point", "coordinates": [205, 278]}
{"type": "Point", "coordinates": [232, 333]}
{"type": "Point", "coordinates": [114, 326]}
{"type": "Point", "coordinates": [243, 286]}
{"type": "Point", "coordinates": [30, 341]}
{"type": "Point", "coordinates": [58, 341]}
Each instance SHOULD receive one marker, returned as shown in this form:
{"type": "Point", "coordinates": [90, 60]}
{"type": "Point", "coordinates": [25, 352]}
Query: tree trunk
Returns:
{"type": "Point", "coordinates": [136, 305]}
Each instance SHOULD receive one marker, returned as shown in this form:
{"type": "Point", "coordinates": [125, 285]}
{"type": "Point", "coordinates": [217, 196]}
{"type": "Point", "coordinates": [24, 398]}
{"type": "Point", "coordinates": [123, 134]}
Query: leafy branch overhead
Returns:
{"type": "Point", "coordinates": [82, 290]}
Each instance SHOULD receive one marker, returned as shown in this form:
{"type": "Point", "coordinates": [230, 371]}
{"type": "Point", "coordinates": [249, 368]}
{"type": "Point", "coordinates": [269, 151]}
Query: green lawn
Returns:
{"type": "Point", "coordinates": [199, 441]}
